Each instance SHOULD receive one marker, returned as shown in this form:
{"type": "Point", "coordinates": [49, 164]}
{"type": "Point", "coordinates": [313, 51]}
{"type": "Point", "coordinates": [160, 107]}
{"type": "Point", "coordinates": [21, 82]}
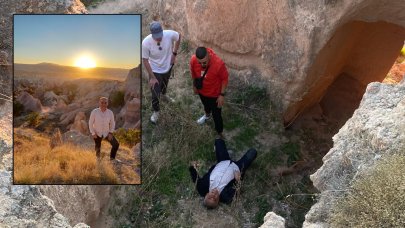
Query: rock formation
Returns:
{"type": "Point", "coordinates": [56, 139]}
{"type": "Point", "coordinates": [80, 124]}
{"type": "Point", "coordinates": [272, 220]}
{"type": "Point", "coordinates": [50, 98]}
{"type": "Point", "coordinates": [29, 102]}
{"type": "Point", "coordinates": [296, 49]}
{"type": "Point", "coordinates": [132, 114]}
{"type": "Point", "coordinates": [88, 204]}
{"type": "Point", "coordinates": [133, 84]}
{"type": "Point", "coordinates": [78, 139]}
{"type": "Point", "coordinates": [375, 130]}
{"type": "Point", "coordinates": [23, 206]}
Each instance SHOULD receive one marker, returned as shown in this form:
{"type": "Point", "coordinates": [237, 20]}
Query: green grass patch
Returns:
{"type": "Point", "coordinates": [245, 138]}
{"type": "Point", "coordinates": [264, 207]}
{"type": "Point", "coordinates": [293, 152]}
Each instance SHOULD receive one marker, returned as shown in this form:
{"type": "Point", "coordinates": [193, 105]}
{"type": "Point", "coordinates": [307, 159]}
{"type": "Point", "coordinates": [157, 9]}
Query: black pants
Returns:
{"type": "Point", "coordinates": [163, 80]}
{"type": "Point", "coordinates": [114, 143]}
{"type": "Point", "coordinates": [211, 107]}
{"type": "Point", "coordinates": [222, 154]}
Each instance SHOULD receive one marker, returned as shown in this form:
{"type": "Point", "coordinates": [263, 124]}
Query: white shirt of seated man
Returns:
{"type": "Point", "coordinates": [222, 174]}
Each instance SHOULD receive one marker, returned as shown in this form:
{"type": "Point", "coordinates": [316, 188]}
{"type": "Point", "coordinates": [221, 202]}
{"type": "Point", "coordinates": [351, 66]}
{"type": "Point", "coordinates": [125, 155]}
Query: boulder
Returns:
{"type": "Point", "coordinates": [78, 139]}
{"type": "Point", "coordinates": [133, 84]}
{"type": "Point", "coordinates": [132, 113]}
{"type": "Point", "coordinates": [374, 131]}
{"type": "Point", "coordinates": [80, 124]}
{"type": "Point", "coordinates": [272, 220]}
{"type": "Point", "coordinates": [50, 98]}
{"type": "Point", "coordinates": [29, 102]}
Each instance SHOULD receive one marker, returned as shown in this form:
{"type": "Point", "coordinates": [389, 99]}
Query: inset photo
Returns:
{"type": "Point", "coordinates": [77, 99]}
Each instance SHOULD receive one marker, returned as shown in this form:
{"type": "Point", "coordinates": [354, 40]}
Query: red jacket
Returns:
{"type": "Point", "coordinates": [216, 76]}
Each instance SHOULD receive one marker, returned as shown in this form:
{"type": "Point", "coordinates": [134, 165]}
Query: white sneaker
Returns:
{"type": "Point", "coordinates": [203, 118]}
{"type": "Point", "coordinates": [166, 98]}
{"type": "Point", "coordinates": [154, 118]}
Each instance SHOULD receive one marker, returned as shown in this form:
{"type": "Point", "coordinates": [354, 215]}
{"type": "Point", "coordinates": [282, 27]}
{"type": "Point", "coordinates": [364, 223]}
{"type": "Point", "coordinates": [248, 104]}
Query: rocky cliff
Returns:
{"type": "Point", "coordinates": [26, 206]}
{"type": "Point", "coordinates": [297, 49]}
{"type": "Point", "coordinates": [375, 131]}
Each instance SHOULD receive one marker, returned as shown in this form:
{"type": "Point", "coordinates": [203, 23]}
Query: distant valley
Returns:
{"type": "Point", "coordinates": [60, 72]}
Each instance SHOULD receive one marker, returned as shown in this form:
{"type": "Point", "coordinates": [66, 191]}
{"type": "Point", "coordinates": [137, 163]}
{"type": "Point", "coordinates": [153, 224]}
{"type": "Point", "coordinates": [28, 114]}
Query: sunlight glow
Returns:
{"type": "Point", "coordinates": [85, 62]}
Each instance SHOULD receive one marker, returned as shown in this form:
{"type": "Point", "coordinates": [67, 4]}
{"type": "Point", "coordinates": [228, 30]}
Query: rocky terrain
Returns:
{"type": "Point", "coordinates": [298, 50]}
{"type": "Point", "coordinates": [66, 104]}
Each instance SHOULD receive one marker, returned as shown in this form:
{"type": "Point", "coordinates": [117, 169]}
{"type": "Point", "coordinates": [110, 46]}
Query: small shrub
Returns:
{"type": "Point", "coordinates": [375, 200]}
{"type": "Point", "coordinates": [128, 137]}
{"type": "Point", "coordinates": [18, 108]}
{"type": "Point", "coordinates": [117, 99]}
{"type": "Point", "coordinates": [33, 119]}
{"type": "Point", "coordinates": [71, 90]}
{"type": "Point", "coordinates": [184, 46]}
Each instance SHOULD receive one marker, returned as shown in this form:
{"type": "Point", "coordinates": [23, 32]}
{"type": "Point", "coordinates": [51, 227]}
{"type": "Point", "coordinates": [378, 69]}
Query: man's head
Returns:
{"type": "Point", "coordinates": [211, 199]}
{"type": "Point", "coordinates": [103, 103]}
{"type": "Point", "coordinates": [156, 30]}
{"type": "Point", "coordinates": [202, 56]}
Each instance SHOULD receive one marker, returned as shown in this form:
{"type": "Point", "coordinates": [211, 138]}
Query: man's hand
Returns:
{"type": "Point", "coordinates": [152, 82]}
{"type": "Point", "coordinates": [195, 164]}
{"type": "Point", "coordinates": [237, 176]}
{"type": "Point", "coordinates": [109, 136]}
{"type": "Point", "coordinates": [173, 59]}
{"type": "Point", "coordinates": [220, 101]}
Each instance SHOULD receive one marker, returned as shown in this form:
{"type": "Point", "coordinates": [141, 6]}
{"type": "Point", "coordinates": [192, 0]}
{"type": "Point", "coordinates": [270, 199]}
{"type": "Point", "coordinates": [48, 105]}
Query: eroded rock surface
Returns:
{"type": "Point", "coordinates": [296, 49]}
{"type": "Point", "coordinates": [374, 131]}
{"type": "Point", "coordinates": [23, 206]}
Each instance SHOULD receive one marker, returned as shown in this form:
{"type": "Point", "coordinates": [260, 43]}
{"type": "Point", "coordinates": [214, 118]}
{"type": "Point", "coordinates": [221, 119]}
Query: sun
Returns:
{"type": "Point", "coordinates": [85, 62]}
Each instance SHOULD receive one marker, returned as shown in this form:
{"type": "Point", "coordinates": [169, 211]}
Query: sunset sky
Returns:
{"type": "Point", "coordinates": [109, 40]}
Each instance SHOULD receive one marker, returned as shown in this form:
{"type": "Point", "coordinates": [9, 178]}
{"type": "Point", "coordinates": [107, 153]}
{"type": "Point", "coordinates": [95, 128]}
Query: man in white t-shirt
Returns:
{"type": "Point", "coordinates": [102, 126]}
{"type": "Point", "coordinates": [159, 50]}
{"type": "Point", "coordinates": [218, 184]}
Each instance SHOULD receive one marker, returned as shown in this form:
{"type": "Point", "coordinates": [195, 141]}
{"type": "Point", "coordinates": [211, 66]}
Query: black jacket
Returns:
{"type": "Point", "coordinates": [203, 185]}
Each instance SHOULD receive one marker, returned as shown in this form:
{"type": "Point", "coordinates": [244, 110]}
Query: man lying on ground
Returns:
{"type": "Point", "coordinates": [219, 183]}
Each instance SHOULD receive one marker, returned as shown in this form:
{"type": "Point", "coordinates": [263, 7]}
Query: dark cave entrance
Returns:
{"type": "Point", "coordinates": [357, 54]}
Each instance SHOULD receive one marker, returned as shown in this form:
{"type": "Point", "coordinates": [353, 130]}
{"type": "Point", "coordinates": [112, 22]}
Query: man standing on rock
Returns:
{"type": "Point", "coordinates": [102, 126]}
{"type": "Point", "coordinates": [219, 184]}
{"type": "Point", "coordinates": [210, 81]}
{"type": "Point", "coordinates": [159, 50]}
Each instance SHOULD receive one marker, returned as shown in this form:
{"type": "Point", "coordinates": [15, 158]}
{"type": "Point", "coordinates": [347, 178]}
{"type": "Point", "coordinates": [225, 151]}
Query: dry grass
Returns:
{"type": "Point", "coordinates": [36, 163]}
{"type": "Point", "coordinates": [376, 200]}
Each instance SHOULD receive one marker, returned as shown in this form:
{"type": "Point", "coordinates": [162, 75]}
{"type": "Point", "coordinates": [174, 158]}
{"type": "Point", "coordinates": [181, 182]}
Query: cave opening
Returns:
{"type": "Point", "coordinates": [357, 54]}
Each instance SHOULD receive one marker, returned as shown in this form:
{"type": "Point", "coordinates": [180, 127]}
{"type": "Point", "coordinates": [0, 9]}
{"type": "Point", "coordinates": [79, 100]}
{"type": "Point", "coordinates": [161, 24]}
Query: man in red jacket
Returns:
{"type": "Point", "coordinates": [207, 65]}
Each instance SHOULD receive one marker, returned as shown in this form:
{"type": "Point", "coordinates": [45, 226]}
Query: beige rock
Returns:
{"type": "Point", "coordinates": [50, 98]}
{"type": "Point", "coordinates": [80, 123]}
{"type": "Point", "coordinates": [132, 113]}
{"type": "Point", "coordinates": [133, 84]}
{"type": "Point", "coordinates": [23, 206]}
{"type": "Point", "coordinates": [372, 133]}
{"type": "Point", "coordinates": [296, 49]}
{"type": "Point", "coordinates": [29, 102]}
{"type": "Point", "coordinates": [272, 220]}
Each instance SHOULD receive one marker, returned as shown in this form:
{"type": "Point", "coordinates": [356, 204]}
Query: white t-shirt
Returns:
{"type": "Point", "coordinates": [222, 174]}
{"type": "Point", "coordinates": [159, 60]}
